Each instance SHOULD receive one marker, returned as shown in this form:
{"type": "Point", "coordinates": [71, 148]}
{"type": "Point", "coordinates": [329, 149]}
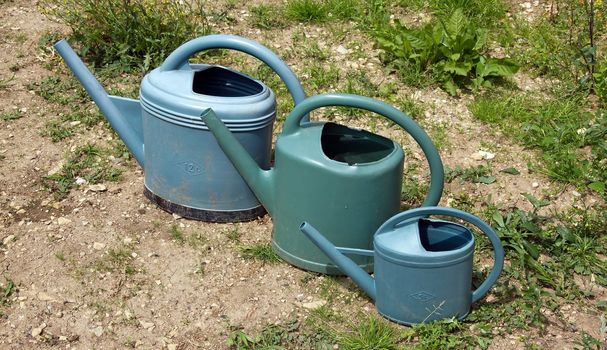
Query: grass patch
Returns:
{"type": "Point", "coordinates": [137, 33]}
{"type": "Point", "coordinates": [571, 139]}
{"type": "Point", "coordinates": [116, 260]}
{"type": "Point", "coordinates": [268, 16]}
{"type": "Point", "coordinates": [317, 11]}
{"type": "Point", "coordinates": [177, 234]}
{"type": "Point", "coordinates": [11, 115]}
{"type": "Point", "coordinates": [475, 174]}
{"type": "Point", "coordinates": [370, 334]}
{"type": "Point", "coordinates": [89, 162]}
{"type": "Point", "coordinates": [262, 252]}
{"type": "Point", "coordinates": [6, 292]}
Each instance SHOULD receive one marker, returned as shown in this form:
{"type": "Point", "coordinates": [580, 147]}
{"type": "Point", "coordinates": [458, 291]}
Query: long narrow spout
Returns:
{"type": "Point", "coordinates": [259, 180]}
{"type": "Point", "coordinates": [349, 267]}
{"type": "Point", "coordinates": [116, 119]}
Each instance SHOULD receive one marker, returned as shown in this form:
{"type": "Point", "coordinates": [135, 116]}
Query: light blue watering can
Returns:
{"type": "Point", "coordinates": [185, 170]}
{"type": "Point", "coordinates": [423, 267]}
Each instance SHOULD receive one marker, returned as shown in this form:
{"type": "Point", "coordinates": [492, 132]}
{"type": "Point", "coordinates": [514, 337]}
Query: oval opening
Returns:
{"type": "Point", "coordinates": [221, 82]}
{"type": "Point", "coordinates": [353, 146]}
{"type": "Point", "coordinates": [438, 236]}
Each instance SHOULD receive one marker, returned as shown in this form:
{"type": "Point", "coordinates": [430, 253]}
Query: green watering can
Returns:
{"type": "Point", "coordinates": [346, 182]}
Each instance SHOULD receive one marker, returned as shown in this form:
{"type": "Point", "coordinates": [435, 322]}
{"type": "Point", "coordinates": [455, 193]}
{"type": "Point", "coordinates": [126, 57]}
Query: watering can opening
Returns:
{"type": "Point", "coordinates": [352, 146]}
{"type": "Point", "coordinates": [441, 236]}
{"type": "Point", "coordinates": [222, 82]}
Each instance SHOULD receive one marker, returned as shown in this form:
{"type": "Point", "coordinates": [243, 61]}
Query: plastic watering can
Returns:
{"type": "Point", "coordinates": [423, 267]}
{"type": "Point", "coordinates": [185, 170]}
{"type": "Point", "coordinates": [345, 181]}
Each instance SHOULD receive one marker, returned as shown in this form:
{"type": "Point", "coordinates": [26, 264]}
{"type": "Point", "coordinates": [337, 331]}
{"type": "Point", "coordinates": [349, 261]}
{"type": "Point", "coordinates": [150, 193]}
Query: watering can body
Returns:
{"type": "Point", "coordinates": [423, 267]}
{"type": "Point", "coordinates": [185, 171]}
{"type": "Point", "coordinates": [345, 181]}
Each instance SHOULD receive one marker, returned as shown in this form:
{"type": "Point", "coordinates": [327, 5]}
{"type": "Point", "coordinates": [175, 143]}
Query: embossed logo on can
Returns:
{"type": "Point", "coordinates": [422, 296]}
{"type": "Point", "coordinates": [190, 167]}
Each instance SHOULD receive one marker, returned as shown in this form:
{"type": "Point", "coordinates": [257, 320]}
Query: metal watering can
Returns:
{"type": "Point", "coordinates": [345, 181]}
{"type": "Point", "coordinates": [185, 170]}
{"type": "Point", "coordinates": [423, 267]}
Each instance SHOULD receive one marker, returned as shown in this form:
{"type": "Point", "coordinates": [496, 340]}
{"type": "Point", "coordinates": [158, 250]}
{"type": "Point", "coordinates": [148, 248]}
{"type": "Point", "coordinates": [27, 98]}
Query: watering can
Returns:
{"type": "Point", "coordinates": [346, 181]}
{"type": "Point", "coordinates": [423, 267]}
{"type": "Point", "coordinates": [185, 170]}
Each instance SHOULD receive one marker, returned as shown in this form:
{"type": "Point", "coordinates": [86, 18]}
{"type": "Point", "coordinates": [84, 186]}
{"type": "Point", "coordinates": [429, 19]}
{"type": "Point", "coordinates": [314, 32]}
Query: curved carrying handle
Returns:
{"type": "Point", "coordinates": [178, 59]}
{"type": "Point", "coordinates": [292, 124]}
{"type": "Point", "coordinates": [498, 250]}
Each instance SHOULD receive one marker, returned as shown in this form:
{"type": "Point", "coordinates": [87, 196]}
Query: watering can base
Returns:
{"type": "Point", "coordinates": [414, 322]}
{"type": "Point", "coordinates": [204, 214]}
{"type": "Point", "coordinates": [328, 269]}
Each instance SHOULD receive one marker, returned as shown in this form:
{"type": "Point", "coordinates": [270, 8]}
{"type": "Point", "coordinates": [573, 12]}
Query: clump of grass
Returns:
{"type": "Point", "coordinates": [57, 131]}
{"type": "Point", "coordinates": [317, 11]}
{"type": "Point", "coordinates": [572, 140]}
{"type": "Point", "coordinates": [136, 33]}
{"type": "Point", "coordinates": [11, 115]}
{"type": "Point", "coordinates": [476, 174]}
{"type": "Point", "coordinates": [87, 162]}
{"type": "Point", "coordinates": [370, 334]}
{"type": "Point", "coordinates": [6, 292]}
{"type": "Point", "coordinates": [176, 234]}
{"type": "Point", "coordinates": [267, 16]}
{"type": "Point", "coordinates": [272, 336]}
{"type": "Point", "coordinates": [261, 252]}
{"type": "Point", "coordinates": [116, 260]}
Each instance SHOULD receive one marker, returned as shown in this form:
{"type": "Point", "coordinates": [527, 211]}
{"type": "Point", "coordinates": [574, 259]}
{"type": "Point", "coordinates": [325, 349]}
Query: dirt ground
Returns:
{"type": "Point", "coordinates": [179, 296]}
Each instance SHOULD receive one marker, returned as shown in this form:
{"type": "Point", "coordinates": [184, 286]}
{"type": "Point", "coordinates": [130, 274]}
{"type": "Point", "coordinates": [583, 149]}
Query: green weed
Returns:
{"type": "Point", "coordinates": [60, 256]}
{"type": "Point", "coordinates": [261, 252]}
{"type": "Point", "coordinates": [476, 174]}
{"type": "Point", "coordinates": [559, 127]}
{"type": "Point", "coordinates": [322, 77]}
{"type": "Point", "coordinates": [86, 162]}
{"type": "Point", "coordinates": [486, 12]}
{"type": "Point", "coordinates": [271, 337]}
{"type": "Point", "coordinates": [452, 49]}
{"type": "Point", "coordinates": [11, 115]}
{"type": "Point", "coordinates": [266, 16]}
{"type": "Point", "coordinates": [57, 131]}
{"type": "Point", "coordinates": [6, 82]}
{"type": "Point", "coordinates": [371, 333]}
{"type": "Point", "coordinates": [317, 11]}
{"type": "Point", "coordinates": [7, 291]}
{"type": "Point", "coordinates": [176, 234]}
{"type": "Point", "coordinates": [116, 260]}
{"type": "Point", "coordinates": [137, 33]}
{"type": "Point", "coordinates": [234, 234]}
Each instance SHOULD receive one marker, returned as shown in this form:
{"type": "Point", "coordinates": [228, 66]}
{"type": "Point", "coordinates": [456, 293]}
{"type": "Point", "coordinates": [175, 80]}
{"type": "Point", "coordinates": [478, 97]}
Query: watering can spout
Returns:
{"type": "Point", "coordinates": [349, 267]}
{"type": "Point", "coordinates": [258, 179]}
{"type": "Point", "coordinates": [123, 114]}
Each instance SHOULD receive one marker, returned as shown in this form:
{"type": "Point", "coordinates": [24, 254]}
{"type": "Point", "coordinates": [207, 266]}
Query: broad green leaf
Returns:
{"type": "Point", "coordinates": [531, 249]}
{"type": "Point", "coordinates": [486, 179]}
{"type": "Point", "coordinates": [537, 203]}
{"type": "Point", "coordinates": [455, 56]}
{"type": "Point", "coordinates": [500, 67]}
{"type": "Point", "coordinates": [450, 87]}
{"type": "Point", "coordinates": [458, 68]}
{"type": "Point", "coordinates": [499, 220]}
{"type": "Point", "coordinates": [481, 39]}
{"type": "Point", "coordinates": [456, 23]}
{"type": "Point", "coordinates": [597, 186]}
{"type": "Point", "coordinates": [510, 170]}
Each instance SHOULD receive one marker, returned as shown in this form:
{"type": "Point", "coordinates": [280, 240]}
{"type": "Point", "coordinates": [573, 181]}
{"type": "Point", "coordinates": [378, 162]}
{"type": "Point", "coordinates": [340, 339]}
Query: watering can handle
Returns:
{"type": "Point", "coordinates": [498, 250]}
{"type": "Point", "coordinates": [292, 125]}
{"type": "Point", "coordinates": [178, 59]}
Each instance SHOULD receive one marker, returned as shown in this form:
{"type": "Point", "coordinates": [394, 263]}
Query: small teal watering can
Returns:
{"type": "Point", "coordinates": [185, 170]}
{"type": "Point", "coordinates": [423, 267]}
